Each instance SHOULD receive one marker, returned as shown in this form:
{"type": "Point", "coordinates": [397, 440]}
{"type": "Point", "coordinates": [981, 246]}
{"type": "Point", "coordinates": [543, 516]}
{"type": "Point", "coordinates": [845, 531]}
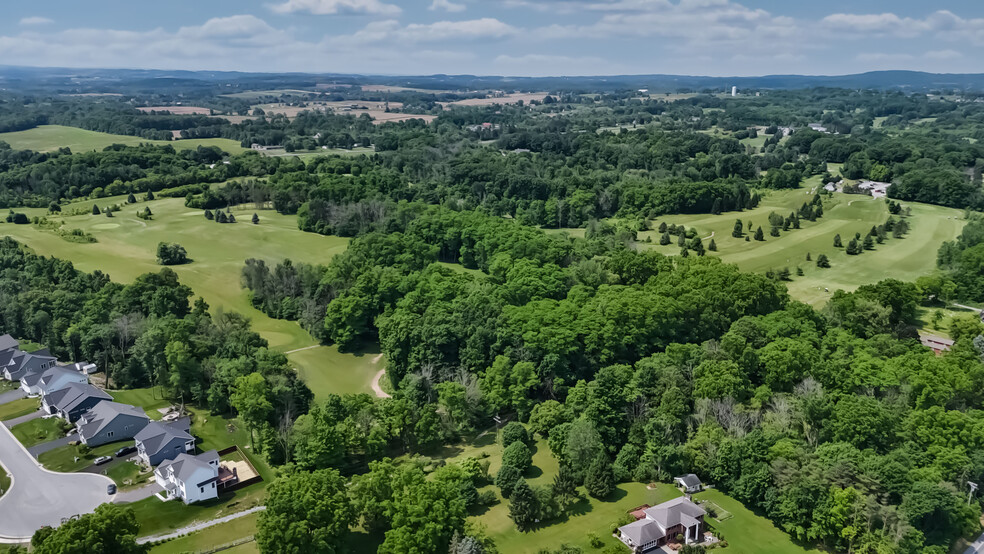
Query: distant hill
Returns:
{"type": "Point", "coordinates": [150, 80]}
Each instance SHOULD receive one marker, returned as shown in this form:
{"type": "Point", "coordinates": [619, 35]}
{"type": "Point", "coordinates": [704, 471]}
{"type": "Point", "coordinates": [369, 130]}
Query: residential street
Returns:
{"type": "Point", "coordinates": [39, 497]}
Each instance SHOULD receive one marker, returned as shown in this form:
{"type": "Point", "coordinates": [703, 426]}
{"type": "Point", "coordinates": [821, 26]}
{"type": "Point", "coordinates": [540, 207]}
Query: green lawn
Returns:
{"type": "Point", "coordinates": [328, 371]}
{"type": "Point", "coordinates": [155, 516]}
{"type": "Point", "coordinates": [150, 399]}
{"type": "Point", "coordinates": [126, 248]}
{"type": "Point", "coordinates": [210, 538]}
{"type": "Point", "coordinates": [748, 533]}
{"type": "Point", "coordinates": [42, 429]}
{"type": "Point", "coordinates": [4, 481]}
{"type": "Point", "coordinates": [906, 259]}
{"type": "Point", "coordinates": [63, 459]}
{"type": "Point", "coordinates": [127, 475]}
{"type": "Point", "coordinates": [46, 138]}
{"type": "Point", "coordinates": [17, 408]}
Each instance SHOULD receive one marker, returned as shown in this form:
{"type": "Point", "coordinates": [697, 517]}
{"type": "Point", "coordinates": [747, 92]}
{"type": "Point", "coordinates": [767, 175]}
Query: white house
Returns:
{"type": "Point", "coordinates": [51, 379]}
{"type": "Point", "coordinates": [190, 478]}
{"type": "Point", "coordinates": [663, 523]}
{"type": "Point", "coordinates": [689, 482]}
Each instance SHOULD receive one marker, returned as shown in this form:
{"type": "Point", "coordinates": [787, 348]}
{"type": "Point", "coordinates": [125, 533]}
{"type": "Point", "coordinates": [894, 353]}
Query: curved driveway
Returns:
{"type": "Point", "coordinates": [38, 497]}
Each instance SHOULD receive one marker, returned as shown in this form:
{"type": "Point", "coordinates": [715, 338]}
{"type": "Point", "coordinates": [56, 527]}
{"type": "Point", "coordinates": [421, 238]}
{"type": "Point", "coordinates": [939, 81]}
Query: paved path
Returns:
{"type": "Point", "coordinates": [136, 495]}
{"type": "Point", "coordinates": [199, 526]}
{"type": "Point", "coordinates": [976, 547]}
{"type": "Point", "coordinates": [302, 349]}
{"type": "Point", "coordinates": [380, 393]}
{"type": "Point", "coordinates": [971, 308]}
{"type": "Point", "coordinates": [10, 423]}
{"type": "Point", "coordinates": [12, 395]}
{"type": "Point", "coordinates": [39, 497]}
{"type": "Point", "coordinates": [39, 449]}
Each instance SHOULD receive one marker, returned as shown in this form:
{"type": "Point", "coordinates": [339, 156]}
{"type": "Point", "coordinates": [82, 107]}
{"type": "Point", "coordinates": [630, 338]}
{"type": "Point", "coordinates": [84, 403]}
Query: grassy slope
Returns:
{"type": "Point", "coordinates": [210, 538]}
{"type": "Point", "coordinates": [748, 533]}
{"type": "Point", "coordinates": [126, 248]}
{"type": "Point", "coordinates": [52, 137]}
{"type": "Point", "coordinates": [905, 259]}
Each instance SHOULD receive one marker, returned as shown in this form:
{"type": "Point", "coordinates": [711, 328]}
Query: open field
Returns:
{"type": "Point", "coordinates": [376, 110]}
{"type": "Point", "coordinates": [46, 138]}
{"type": "Point", "coordinates": [507, 99]}
{"type": "Point", "coordinates": [254, 94]}
{"type": "Point", "coordinates": [126, 248]}
{"type": "Point", "coordinates": [906, 258]}
{"type": "Point", "coordinates": [212, 537]}
{"type": "Point", "coordinates": [177, 110]}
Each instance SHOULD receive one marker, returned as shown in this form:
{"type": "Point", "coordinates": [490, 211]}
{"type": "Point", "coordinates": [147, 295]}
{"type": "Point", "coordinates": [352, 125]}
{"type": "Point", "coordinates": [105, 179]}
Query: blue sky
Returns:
{"type": "Point", "coordinates": [499, 37]}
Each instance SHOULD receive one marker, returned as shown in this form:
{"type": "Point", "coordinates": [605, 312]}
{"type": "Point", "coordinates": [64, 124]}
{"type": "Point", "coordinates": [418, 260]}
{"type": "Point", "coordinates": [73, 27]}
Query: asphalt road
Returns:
{"type": "Point", "coordinates": [38, 497]}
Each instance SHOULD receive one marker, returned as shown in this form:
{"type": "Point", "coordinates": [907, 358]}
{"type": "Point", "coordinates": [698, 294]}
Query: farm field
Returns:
{"type": "Point", "coordinates": [905, 259]}
{"type": "Point", "coordinates": [126, 248]}
{"type": "Point", "coordinates": [375, 110]}
{"type": "Point", "coordinates": [46, 138]}
{"type": "Point", "coordinates": [507, 99]}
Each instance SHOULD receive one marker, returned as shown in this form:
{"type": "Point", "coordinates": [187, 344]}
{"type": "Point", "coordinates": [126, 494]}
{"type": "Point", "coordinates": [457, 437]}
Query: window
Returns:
{"type": "Point", "coordinates": [110, 434]}
{"type": "Point", "coordinates": [203, 489]}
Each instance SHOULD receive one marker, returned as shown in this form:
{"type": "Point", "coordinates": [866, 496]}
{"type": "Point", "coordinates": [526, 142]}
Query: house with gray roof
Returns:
{"type": "Point", "coordinates": [72, 400]}
{"type": "Point", "coordinates": [690, 483]}
{"type": "Point", "coordinates": [190, 478]}
{"type": "Point", "coordinates": [51, 379]}
{"type": "Point", "coordinates": [109, 421]}
{"type": "Point", "coordinates": [25, 363]}
{"type": "Point", "coordinates": [8, 342]}
{"type": "Point", "coordinates": [159, 442]}
{"type": "Point", "coordinates": [662, 524]}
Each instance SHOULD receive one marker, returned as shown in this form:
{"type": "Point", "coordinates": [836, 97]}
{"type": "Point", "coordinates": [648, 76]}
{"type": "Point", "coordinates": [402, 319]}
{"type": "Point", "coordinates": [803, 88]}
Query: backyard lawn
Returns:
{"type": "Point", "coordinates": [150, 399]}
{"type": "Point", "coordinates": [17, 408]}
{"type": "Point", "coordinates": [746, 532]}
{"type": "Point", "coordinates": [218, 535]}
{"type": "Point", "coordinates": [127, 475]}
{"type": "Point", "coordinates": [42, 429]}
{"type": "Point", "coordinates": [156, 517]}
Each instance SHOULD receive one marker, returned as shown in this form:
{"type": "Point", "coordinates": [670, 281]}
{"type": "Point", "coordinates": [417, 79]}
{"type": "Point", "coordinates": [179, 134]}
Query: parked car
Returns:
{"type": "Point", "coordinates": [102, 460]}
{"type": "Point", "coordinates": [125, 450]}
{"type": "Point", "coordinates": [111, 489]}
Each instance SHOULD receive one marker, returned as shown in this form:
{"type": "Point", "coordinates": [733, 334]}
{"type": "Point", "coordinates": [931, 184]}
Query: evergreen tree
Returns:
{"type": "Point", "coordinates": [256, 219]}
{"type": "Point", "coordinates": [712, 246]}
{"type": "Point", "coordinates": [808, 257]}
{"type": "Point", "coordinates": [231, 218]}
{"type": "Point", "coordinates": [783, 274]}
{"type": "Point", "coordinates": [150, 195]}
{"type": "Point", "coordinates": [565, 488]}
{"type": "Point", "coordinates": [837, 241]}
{"type": "Point", "coordinates": [822, 261]}
{"type": "Point", "coordinates": [852, 248]}
{"type": "Point", "coordinates": [774, 231]}
{"type": "Point", "coordinates": [524, 507]}
{"type": "Point", "coordinates": [600, 479]}
{"type": "Point", "coordinates": [799, 271]}
{"type": "Point", "coordinates": [664, 239]}
{"type": "Point", "coordinates": [220, 217]}
{"type": "Point", "coordinates": [869, 243]}
{"type": "Point", "coordinates": [209, 215]}
{"type": "Point", "coordinates": [684, 253]}
{"type": "Point", "coordinates": [682, 239]}
{"type": "Point", "coordinates": [786, 224]}
{"type": "Point", "coordinates": [759, 235]}
{"type": "Point", "coordinates": [737, 231]}
{"type": "Point", "coordinates": [662, 227]}
{"type": "Point", "coordinates": [131, 199]}
{"type": "Point", "coordinates": [95, 210]}
{"type": "Point", "coordinates": [716, 207]}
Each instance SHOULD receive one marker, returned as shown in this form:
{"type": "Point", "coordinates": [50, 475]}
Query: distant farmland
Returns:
{"type": "Point", "coordinates": [507, 99]}
{"type": "Point", "coordinates": [178, 110]}
{"type": "Point", "coordinates": [47, 138]}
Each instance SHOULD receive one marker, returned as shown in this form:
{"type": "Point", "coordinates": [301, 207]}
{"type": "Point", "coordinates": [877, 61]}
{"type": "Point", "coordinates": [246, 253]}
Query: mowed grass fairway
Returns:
{"type": "Point", "coordinates": [127, 248]}
{"type": "Point", "coordinates": [46, 138]}
{"type": "Point", "coordinates": [905, 259]}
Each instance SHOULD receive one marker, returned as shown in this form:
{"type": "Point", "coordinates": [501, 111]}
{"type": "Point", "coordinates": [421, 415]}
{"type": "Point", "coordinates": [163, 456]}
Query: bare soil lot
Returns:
{"type": "Point", "coordinates": [178, 110]}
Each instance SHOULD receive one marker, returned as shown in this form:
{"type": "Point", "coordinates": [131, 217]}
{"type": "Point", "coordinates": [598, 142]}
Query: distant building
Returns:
{"type": "Point", "coordinates": [938, 344]}
{"type": "Point", "coordinates": [734, 91]}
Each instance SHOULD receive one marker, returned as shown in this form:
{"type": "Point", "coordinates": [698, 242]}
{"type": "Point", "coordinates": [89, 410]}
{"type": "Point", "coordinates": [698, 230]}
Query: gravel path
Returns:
{"type": "Point", "coordinates": [199, 526]}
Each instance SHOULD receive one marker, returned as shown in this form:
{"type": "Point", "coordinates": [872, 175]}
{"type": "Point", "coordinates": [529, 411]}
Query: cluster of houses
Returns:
{"type": "Point", "coordinates": [66, 393]}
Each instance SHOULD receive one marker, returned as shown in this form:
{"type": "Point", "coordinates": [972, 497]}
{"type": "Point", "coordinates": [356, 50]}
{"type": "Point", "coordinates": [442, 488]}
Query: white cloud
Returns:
{"type": "Point", "coordinates": [446, 5]}
{"type": "Point", "coordinates": [943, 24]}
{"type": "Point", "coordinates": [393, 32]}
{"type": "Point", "coordinates": [36, 20]}
{"type": "Point", "coordinates": [331, 7]}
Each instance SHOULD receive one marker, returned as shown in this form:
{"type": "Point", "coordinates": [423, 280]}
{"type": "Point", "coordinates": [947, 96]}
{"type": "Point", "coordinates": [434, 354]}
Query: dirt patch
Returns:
{"type": "Point", "coordinates": [178, 110]}
{"type": "Point", "coordinates": [492, 100]}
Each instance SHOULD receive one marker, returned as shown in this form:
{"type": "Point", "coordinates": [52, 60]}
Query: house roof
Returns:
{"type": "Point", "coordinates": [185, 466]}
{"type": "Point", "coordinates": [104, 413]}
{"type": "Point", "coordinates": [8, 342]}
{"type": "Point", "coordinates": [157, 435]}
{"type": "Point", "coordinates": [688, 480]}
{"type": "Point", "coordinates": [73, 394]}
{"type": "Point", "coordinates": [675, 512]}
{"type": "Point", "coordinates": [659, 518]}
{"type": "Point", "coordinates": [24, 364]}
{"type": "Point", "coordinates": [52, 374]}
{"type": "Point", "coordinates": [642, 532]}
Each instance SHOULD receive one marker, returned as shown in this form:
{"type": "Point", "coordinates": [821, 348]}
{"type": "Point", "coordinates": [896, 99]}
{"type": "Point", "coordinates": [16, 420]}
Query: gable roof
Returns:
{"type": "Point", "coordinates": [675, 512]}
{"type": "Point", "coordinates": [185, 466]}
{"type": "Point", "coordinates": [104, 413]}
{"type": "Point", "coordinates": [8, 342]}
{"type": "Point", "coordinates": [23, 364]}
{"type": "Point", "coordinates": [689, 480]}
{"type": "Point", "coordinates": [156, 435]}
{"type": "Point", "coordinates": [73, 394]}
{"type": "Point", "coordinates": [642, 532]}
{"type": "Point", "coordinates": [52, 374]}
